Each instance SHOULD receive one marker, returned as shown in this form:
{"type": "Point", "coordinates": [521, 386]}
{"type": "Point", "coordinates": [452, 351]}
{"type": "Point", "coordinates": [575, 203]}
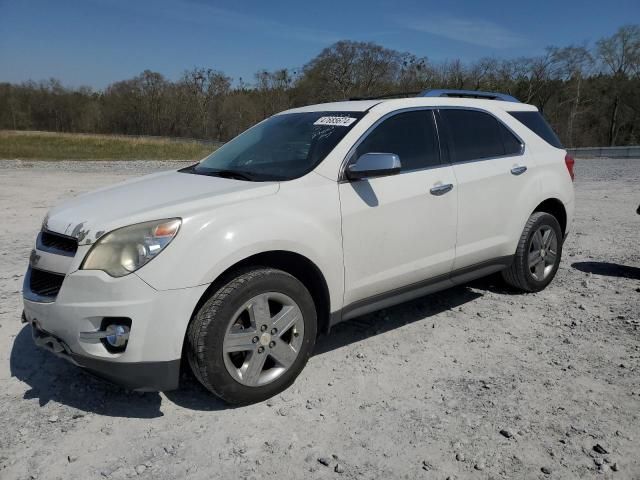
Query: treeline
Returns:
{"type": "Point", "coordinates": [590, 94]}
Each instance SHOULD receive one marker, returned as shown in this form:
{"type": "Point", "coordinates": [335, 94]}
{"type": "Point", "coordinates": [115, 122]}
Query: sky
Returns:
{"type": "Point", "coordinates": [97, 42]}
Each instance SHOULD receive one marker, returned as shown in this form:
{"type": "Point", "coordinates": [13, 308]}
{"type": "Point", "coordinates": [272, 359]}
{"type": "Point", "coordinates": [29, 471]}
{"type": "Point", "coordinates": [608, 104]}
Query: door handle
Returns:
{"type": "Point", "coordinates": [518, 170]}
{"type": "Point", "coordinates": [441, 189]}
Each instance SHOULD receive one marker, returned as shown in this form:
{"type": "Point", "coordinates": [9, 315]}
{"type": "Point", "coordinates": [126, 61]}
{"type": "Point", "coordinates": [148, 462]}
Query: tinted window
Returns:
{"type": "Point", "coordinates": [536, 122]}
{"type": "Point", "coordinates": [475, 135]}
{"type": "Point", "coordinates": [512, 145]}
{"type": "Point", "coordinates": [282, 147]}
{"type": "Point", "coordinates": [410, 135]}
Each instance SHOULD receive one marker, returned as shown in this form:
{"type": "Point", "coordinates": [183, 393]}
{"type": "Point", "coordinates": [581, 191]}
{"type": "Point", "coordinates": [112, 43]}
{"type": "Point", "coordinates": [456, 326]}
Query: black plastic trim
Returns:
{"type": "Point", "coordinates": [419, 289]}
{"type": "Point", "coordinates": [34, 296]}
{"type": "Point", "coordinates": [140, 376]}
{"type": "Point", "coordinates": [47, 236]}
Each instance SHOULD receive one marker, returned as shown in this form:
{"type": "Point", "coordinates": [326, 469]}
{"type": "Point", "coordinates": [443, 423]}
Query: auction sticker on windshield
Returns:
{"type": "Point", "coordinates": [335, 121]}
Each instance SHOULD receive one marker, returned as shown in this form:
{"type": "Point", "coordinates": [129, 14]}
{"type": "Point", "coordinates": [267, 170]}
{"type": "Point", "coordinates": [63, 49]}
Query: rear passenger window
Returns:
{"type": "Point", "coordinates": [475, 135]}
{"type": "Point", "coordinates": [410, 135]}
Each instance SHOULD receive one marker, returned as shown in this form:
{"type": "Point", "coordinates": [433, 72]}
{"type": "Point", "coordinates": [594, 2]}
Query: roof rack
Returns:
{"type": "Point", "coordinates": [469, 94]}
{"type": "Point", "coordinates": [388, 95]}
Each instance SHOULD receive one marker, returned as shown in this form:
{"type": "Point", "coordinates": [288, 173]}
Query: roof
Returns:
{"type": "Point", "coordinates": [398, 103]}
{"type": "Point", "coordinates": [346, 106]}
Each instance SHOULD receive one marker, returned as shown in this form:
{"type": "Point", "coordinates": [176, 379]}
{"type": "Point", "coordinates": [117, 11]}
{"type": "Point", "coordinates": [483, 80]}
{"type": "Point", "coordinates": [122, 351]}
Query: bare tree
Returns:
{"type": "Point", "coordinates": [275, 90]}
{"type": "Point", "coordinates": [352, 69]}
{"type": "Point", "coordinates": [620, 56]}
{"type": "Point", "coordinates": [573, 63]}
{"type": "Point", "coordinates": [205, 89]}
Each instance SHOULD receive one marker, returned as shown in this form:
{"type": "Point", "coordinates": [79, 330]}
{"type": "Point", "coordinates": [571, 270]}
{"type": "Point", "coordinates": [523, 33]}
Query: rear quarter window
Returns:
{"type": "Point", "coordinates": [535, 122]}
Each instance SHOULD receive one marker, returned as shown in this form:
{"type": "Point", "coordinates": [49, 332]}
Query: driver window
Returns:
{"type": "Point", "coordinates": [410, 135]}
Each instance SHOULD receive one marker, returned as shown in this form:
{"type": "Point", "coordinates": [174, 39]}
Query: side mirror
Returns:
{"type": "Point", "coordinates": [374, 165]}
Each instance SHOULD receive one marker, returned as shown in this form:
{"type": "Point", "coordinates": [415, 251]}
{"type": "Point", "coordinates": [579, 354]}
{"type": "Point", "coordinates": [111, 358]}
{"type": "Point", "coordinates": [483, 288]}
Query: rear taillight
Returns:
{"type": "Point", "coordinates": [570, 162]}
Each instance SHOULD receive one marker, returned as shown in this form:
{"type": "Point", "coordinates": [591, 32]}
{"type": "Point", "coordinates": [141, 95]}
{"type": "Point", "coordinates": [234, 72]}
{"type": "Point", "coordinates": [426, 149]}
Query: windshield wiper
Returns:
{"type": "Point", "coordinates": [189, 169]}
{"type": "Point", "coordinates": [234, 174]}
{"type": "Point", "coordinates": [197, 169]}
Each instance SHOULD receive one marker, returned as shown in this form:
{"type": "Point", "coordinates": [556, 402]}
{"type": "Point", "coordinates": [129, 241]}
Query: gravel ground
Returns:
{"type": "Point", "coordinates": [475, 382]}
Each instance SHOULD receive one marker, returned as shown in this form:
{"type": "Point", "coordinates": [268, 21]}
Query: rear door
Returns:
{"type": "Point", "coordinates": [490, 168]}
{"type": "Point", "coordinates": [396, 232]}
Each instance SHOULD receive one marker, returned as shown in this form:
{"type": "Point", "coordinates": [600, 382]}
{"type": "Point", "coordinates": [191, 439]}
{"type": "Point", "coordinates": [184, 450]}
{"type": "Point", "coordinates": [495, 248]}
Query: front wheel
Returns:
{"type": "Point", "coordinates": [538, 254]}
{"type": "Point", "coordinates": [253, 336]}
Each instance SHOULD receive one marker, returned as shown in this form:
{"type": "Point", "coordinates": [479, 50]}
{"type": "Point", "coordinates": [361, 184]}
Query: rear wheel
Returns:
{"type": "Point", "coordinates": [253, 336]}
{"type": "Point", "coordinates": [538, 254]}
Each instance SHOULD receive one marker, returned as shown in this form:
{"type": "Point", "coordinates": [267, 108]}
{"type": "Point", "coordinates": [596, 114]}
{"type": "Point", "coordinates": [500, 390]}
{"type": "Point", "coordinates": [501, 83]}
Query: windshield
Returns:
{"type": "Point", "coordinates": [283, 147]}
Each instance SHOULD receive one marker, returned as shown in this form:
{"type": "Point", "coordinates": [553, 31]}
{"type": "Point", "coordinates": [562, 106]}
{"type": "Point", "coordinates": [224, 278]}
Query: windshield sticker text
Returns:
{"type": "Point", "coordinates": [335, 121]}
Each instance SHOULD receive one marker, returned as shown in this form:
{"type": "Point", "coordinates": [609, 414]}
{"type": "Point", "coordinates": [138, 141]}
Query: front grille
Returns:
{"type": "Point", "coordinates": [55, 241]}
{"type": "Point", "coordinates": [45, 284]}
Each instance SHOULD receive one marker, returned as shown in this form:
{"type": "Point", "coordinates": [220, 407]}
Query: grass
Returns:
{"type": "Point", "coordinates": [72, 146]}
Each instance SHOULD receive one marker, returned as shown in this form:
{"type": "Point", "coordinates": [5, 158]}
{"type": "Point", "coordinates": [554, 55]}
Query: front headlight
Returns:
{"type": "Point", "coordinates": [126, 249]}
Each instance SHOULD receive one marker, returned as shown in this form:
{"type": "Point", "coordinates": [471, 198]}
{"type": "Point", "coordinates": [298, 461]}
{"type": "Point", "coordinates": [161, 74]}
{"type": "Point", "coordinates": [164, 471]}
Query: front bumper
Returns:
{"type": "Point", "coordinates": [151, 359]}
{"type": "Point", "coordinates": [140, 376]}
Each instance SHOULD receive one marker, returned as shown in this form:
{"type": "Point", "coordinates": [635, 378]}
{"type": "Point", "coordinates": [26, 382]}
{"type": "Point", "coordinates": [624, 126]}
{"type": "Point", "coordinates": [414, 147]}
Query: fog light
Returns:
{"type": "Point", "coordinates": [117, 335]}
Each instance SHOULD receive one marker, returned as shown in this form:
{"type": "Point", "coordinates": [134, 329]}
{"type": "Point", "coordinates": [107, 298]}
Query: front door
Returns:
{"type": "Point", "coordinates": [399, 230]}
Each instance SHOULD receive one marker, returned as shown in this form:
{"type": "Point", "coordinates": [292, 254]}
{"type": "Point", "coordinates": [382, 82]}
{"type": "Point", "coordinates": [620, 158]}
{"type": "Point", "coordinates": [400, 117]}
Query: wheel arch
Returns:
{"type": "Point", "coordinates": [554, 207]}
{"type": "Point", "coordinates": [294, 264]}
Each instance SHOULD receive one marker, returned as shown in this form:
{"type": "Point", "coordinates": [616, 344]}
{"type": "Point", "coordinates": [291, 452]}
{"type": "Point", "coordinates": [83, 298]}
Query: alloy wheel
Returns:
{"type": "Point", "coordinates": [543, 252]}
{"type": "Point", "coordinates": [263, 339]}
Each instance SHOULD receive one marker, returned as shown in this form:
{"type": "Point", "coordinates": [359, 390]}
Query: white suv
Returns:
{"type": "Point", "coordinates": [315, 215]}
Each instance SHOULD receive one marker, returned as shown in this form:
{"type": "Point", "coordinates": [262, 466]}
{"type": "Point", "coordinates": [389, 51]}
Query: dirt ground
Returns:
{"type": "Point", "coordinates": [475, 382]}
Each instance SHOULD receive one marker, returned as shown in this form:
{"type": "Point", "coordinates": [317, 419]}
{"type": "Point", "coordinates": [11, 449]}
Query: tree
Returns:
{"type": "Point", "coordinates": [572, 63]}
{"type": "Point", "coordinates": [274, 90]}
{"type": "Point", "coordinates": [205, 89]}
{"type": "Point", "coordinates": [620, 56]}
{"type": "Point", "coordinates": [348, 69]}
{"type": "Point", "coordinates": [591, 96]}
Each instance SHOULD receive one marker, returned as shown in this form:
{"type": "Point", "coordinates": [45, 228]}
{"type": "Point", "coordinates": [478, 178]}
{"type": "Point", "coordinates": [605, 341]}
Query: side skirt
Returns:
{"type": "Point", "coordinates": [420, 289]}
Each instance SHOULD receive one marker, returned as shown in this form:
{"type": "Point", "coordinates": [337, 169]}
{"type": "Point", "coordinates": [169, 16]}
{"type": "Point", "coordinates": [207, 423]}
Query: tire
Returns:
{"type": "Point", "coordinates": [520, 274]}
{"type": "Point", "coordinates": [232, 318]}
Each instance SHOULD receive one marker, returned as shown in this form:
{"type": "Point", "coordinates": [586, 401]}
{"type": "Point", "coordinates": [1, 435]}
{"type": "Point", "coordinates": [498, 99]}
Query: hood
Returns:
{"type": "Point", "coordinates": [152, 197]}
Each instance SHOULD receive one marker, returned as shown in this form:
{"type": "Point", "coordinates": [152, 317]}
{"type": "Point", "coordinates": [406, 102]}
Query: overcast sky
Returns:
{"type": "Point", "coordinates": [96, 42]}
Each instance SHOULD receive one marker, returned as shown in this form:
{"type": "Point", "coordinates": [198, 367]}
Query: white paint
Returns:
{"type": "Point", "coordinates": [365, 237]}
